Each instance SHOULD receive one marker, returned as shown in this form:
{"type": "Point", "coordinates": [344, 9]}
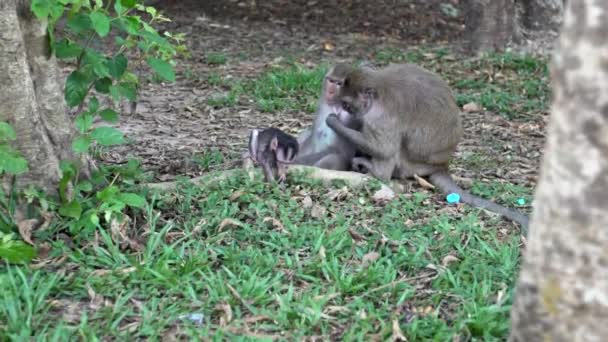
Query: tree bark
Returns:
{"type": "Point", "coordinates": [31, 99]}
{"type": "Point", "coordinates": [562, 294]}
{"type": "Point", "coordinates": [543, 14]}
{"type": "Point", "coordinates": [489, 24]}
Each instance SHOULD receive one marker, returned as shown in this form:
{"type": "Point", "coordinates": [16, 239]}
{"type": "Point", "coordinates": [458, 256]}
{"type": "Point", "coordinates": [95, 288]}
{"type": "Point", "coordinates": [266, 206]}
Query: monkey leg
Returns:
{"type": "Point", "coordinates": [333, 161]}
{"type": "Point", "coordinates": [268, 172]}
{"type": "Point", "coordinates": [382, 169]}
{"type": "Point", "coordinates": [408, 168]}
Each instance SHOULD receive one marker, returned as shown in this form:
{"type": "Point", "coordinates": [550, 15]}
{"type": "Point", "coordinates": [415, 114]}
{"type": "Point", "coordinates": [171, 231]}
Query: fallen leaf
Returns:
{"type": "Point", "coordinates": [25, 229]}
{"type": "Point", "coordinates": [276, 223]}
{"type": "Point", "coordinates": [448, 259]}
{"type": "Point", "coordinates": [317, 211]}
{"type": "Point", "coordinates": [235, 195]}
{"type": "Point", "coordinates": [471, 107]}
{"type": "Point", "coordinates": [226, 317]}
{"type": "Point", "coordinates": [322, 253]}
{"type": "Point", "coordinates": [356, 236]}
{"type": "Point", "coordinates": [229, 222]}
{"type": "Point", "coordinates": [307, 202]}
{"type": "Point", "coordinates": [397, 333]}
{"type": "Point", "coordinates": [385, 194]}
{"type": "Point", "coordinates": [369, 258]}
{"type": "Point", "coordinates": [338, 194]}
{"type": "Point", "coordinates": [423, 182]}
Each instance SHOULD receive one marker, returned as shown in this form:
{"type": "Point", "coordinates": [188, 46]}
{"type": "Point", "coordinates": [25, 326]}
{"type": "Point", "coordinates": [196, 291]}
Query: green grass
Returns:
{"type": "Point", "coordinates": [206, 247]}
{"type": "Point", "coordinates": [517, 89]}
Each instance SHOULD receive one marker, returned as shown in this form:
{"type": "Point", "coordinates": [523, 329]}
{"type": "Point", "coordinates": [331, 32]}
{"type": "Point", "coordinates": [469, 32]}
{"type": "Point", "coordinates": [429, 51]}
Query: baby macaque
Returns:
{"type": "Point", "coordinates": [272, 149]}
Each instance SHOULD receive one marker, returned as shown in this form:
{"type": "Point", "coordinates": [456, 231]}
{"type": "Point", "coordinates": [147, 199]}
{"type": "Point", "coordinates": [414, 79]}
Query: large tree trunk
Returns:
{"type": "Point", "coordinates": [543, 14]}
{"type": "Point", "coordinates": [489, 24]}
{"type": "Point", "coordinates": [562, 294]}
{"type": "Point", "coordinates": [31, 99]}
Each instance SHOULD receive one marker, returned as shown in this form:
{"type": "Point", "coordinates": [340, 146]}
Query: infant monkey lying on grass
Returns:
{"type": "Point", "coordinates": [272, 149]}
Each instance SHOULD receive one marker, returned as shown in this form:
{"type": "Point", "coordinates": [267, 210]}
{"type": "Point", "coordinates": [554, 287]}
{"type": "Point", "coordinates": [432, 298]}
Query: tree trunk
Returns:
{"type": "Point", "coordinates": [489, 24]}
{"type": "Point", "coordinates": [31, 99]}
{"type": "Point", "coordinates": [543, 14]}
{"type": "Point", "coordinates": [562, 294]}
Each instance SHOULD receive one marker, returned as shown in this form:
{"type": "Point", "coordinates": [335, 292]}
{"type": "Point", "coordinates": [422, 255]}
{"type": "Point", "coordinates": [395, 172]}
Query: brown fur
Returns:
{"type": "Point", "coordinates": [321, 146]}
{"type": "Point", "coordinates": [411, 125]}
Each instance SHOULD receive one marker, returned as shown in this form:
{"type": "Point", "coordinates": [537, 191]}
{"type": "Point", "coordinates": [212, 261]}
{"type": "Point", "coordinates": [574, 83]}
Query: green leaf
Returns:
{"type": "Point", "coordinates": [117, 65]}
{"type": "Point", "coordinates": [15, 251]}
{"type": "Point", "coordinates": [162, 68]}
{"type": "Point", "coordinates": [101, 23]}
{"type": "Point", "coordinates": [97, 61]}
{"type": "Point", "coordinates": [79, 23]}
{"type": "Point", "coordinates": [93, 104]}
{"type": "Point", "coordinates": [102, 85]}
{"type": "Point", "coordinates": [128, 3]}
{"type": "Point", "coordinates": [85, 186]}
{"type": "Point", "coordinates": [128, 90]}
{"type": "Point", "coordinates": [11, 162]}
{"type": "Point", "coordinates": [94, 219]}
{"type": "Point", "coordinates": [107, 136]}
{"type": "Point", "coordinates": [7, 132]}
{"type": "Point", "coordinates": [76, 88]}
{"type": "Point", "coordinates": [66, 49]}
{"type": "Point", "coordinates": [41, 8]}
{"type": "Point", "coordinates": [83, 122]}
{"type": "Point", "coordinates": [81, 144]}
{"type": "Point", "coordinates": [72, 209]}
{"type": "Point", "coordinates": [132, 200]}
{"type": "Point", "coordinates": [109, 115]}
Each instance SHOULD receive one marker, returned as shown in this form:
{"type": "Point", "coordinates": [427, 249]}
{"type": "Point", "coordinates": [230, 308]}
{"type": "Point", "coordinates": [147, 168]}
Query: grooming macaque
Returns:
{"type": "Point", "coordinates": [320, 146]}
{"type": "Point", "coordinates": [272, 149]}
{"type": "Point", "coordinates": [410, 126]}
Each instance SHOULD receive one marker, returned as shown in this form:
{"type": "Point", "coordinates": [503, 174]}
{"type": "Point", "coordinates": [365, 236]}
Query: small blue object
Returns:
{"type": "Point", "coordinates": [521, 201]}
{"type": "Point", "coordinates": [196, 318]}
{"type": "Point", "coordinates": [453, 198]}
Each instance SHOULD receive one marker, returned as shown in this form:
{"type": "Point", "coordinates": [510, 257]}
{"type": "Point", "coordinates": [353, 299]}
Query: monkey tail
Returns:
{"type": "Point", "coordinates": [446, 183]}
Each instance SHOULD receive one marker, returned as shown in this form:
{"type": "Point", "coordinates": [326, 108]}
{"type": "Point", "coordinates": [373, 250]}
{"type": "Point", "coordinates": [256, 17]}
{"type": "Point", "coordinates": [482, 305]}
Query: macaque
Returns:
{"type": "Point", "coordinates": [410, 126]}
{"type": "Point", "coordinates": [272, 149]}
{"type": "Point", "coordinates": [320, 146]}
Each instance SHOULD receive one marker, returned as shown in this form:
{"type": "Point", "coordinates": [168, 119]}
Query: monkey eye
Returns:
{"type": "Point", "coordinates": [347, 107]}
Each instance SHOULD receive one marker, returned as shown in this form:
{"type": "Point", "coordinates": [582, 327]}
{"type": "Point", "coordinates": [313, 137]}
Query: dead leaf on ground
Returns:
{"type": "Point", "coordinates": [229, 222]}
{"type": "Point", "coordinates": [471, 107]}
{"type": "Point", "coordinates": [277, 224]}
{"type": "Point", "coordinates": [235, 195]}
{"type": "Point", "coordinates": [322, 253]}
{"type": "Point", "coordinates": [307, 202]}
{"type": "Point", "coordinates": [226, 316]}
{"type": "Point", "coordinates": [397, 333]}
{"type": "Point", "coordinates": [317, 211]}
{"type": "Point", "coordinates": [448, 259]}
{"type": "Point", "coordinates": [329, 46]}
{"type": "Point", "coordinates": [338, 194]}
{"type": "Point", "coordinates": [356, 236]}
{"type": "Point", "coordinates": [385, 194]}
{"type": "Point", "coordinates": [25, 229]}
{"type": "Point", "coordinates": [369, 258]}
{"type": "Point", "coordinates": [423, 182]}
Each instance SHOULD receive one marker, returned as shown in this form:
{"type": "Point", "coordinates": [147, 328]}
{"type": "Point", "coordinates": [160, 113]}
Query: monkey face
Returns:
{"type": "Point", "coordinates": [332, 87]}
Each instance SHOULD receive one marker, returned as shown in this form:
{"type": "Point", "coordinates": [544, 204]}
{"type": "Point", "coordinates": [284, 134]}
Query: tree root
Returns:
{"type": "Point", "coordinates": [352, 179]}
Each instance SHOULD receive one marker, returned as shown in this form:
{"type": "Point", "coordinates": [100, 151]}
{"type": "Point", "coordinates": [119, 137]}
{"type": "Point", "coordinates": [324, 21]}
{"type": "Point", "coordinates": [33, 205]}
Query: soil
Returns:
{"type": "Point", "coordinates": [174, 123]}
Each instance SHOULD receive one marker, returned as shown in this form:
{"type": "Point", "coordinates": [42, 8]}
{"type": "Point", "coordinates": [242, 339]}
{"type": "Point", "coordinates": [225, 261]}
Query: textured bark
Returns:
{"type": "Point", "coordinates": [490, 24]}
{"type": "Point", "coordinates": [32, 99]}
{"type": "Point", "coordinates": [543, 14]}
{"type": "Point", "coordinates": [562, 294]}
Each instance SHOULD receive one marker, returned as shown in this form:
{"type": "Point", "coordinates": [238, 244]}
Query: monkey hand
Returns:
{"type": "Point", "coordinates": [332, 120]}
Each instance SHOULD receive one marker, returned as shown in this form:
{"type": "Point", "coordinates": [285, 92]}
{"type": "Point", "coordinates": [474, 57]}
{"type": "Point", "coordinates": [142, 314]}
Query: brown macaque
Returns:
{"type": "Point", "coordinates": [272, 149]}
{"type": "Point", "coordinates": [410, 126]}
{"type": "Point", "coordinates": [320, 146]}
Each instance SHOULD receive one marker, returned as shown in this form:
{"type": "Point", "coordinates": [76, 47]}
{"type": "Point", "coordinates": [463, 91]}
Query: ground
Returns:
{"type": "Point", "coordinates": [241, 258]}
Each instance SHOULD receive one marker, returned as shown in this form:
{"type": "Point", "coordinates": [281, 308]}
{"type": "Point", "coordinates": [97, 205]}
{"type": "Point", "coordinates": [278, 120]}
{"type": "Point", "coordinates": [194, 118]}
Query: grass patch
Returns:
{"type": "Point", "coordinates": [216, 58]}
{"type": "Point", "coordinates": [245, 252]}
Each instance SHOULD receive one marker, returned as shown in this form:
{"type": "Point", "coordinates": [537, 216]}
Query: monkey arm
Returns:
{"type": "Point", "coordinates": [356, 138]}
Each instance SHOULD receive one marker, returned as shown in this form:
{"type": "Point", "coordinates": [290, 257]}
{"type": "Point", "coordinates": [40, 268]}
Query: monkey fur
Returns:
{"type": "Point", "coordinates": [320, 146]}
{"type": "Point", "coordinates": [411, 125]}
{"type": "Point", "coordinates": [272, 149]}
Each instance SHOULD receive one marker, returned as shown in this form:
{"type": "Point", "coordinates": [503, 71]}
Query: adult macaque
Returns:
{"type": "Point", "coordinates": [410, 126]}
{"type": "Point", "coordinates": [272, 149]}
{"type": "Point", "coordinates": [320, 146]}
